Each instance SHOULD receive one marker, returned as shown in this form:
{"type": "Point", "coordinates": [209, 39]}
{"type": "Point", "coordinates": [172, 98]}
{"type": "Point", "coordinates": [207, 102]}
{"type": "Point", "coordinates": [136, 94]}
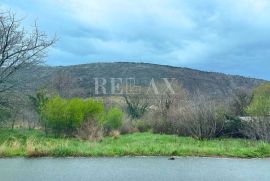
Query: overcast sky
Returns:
{"type": "Point", "coordinates": [230, 36]}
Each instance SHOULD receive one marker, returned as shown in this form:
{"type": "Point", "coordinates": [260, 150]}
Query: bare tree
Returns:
{"type": "Point", "coordinates": [167, 103]}
{"type": "Point", "coordinates": [67, 86]}
{"type": "Point", "coordinates": [240, 102]}
{"type": "Point", "coordinates": [202, 118]}
{"type": "Point", "coordinates": [19, 48]}
{"type": "Point", "coordinates": [62, 83]}
{"type": "Point", "coordinates": [257, 128]}
{"type": "Point", "coordinates": [168, 99]}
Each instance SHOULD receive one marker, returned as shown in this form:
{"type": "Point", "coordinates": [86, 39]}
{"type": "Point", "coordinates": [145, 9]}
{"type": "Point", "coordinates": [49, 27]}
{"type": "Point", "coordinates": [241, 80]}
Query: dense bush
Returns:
{"type": "Point", "coordinates": [93, 108]}
{"type": "Point", "coordinates": [128, 127]}
{"type": "Point", "coordinates": [65, 116]}
{"type": "Point", "coordinates": [90, 130]}
{"type": "Point", "coordinates": [54, 113]}
{"type": "Point", "coordinates": [260, 104]}
{"type": "Point", "coordinates": [161, 124]}
{"type": "Point", "coordinates": [233, 127]}
{"type": "Point", "coordinates": [203, 119]}
{"type": "Point", "coordinates": [199, 118]}
{"type": "Point", "coordinates": [194, 116]}
{"type": "Point", "coordinates": [113, 119]}
{"type": "Point", "coordinates": [237, 107]}
{"type": "Point", "coordinates": [258, 126]}
{"type": "Point", "coordinates": [241, 100]}
{"type": "Point", "coordinates": [85, 118]}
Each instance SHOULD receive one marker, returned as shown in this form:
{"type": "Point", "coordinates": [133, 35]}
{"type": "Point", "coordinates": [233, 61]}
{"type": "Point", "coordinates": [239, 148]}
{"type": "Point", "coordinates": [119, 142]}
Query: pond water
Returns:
{"type": "Point", "coordinates": [134, 168]}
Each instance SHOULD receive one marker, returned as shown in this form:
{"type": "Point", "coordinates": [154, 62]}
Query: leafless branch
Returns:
{"type": "Point", "coordinates": [19, 48]}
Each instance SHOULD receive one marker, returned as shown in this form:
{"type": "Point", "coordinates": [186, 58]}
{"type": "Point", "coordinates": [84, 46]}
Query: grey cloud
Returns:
{"type": "Point", "coordinates": [211, 35]}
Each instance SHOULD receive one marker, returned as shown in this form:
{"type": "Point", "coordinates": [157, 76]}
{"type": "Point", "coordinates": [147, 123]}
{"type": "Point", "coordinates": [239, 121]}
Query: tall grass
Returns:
{"type": "Point", "coordinates": [32, 143]}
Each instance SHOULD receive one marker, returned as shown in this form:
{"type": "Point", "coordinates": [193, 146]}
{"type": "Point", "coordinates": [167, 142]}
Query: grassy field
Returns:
{"type": "Point", "coordinates": [34, 144]}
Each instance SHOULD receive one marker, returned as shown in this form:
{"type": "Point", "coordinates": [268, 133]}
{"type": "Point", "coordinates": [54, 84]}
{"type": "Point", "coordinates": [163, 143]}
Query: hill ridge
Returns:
{"type": "Point", "coordinates": [212, 84]}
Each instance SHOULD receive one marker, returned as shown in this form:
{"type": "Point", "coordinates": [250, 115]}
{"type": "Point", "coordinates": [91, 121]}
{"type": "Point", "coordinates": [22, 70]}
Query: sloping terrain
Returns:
{"type": "Point", "coordinates": [82, 76]}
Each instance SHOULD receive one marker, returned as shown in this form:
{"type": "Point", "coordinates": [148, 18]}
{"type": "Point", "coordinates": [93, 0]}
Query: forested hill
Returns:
{"type": "Point", "coordinates": [81, 77]}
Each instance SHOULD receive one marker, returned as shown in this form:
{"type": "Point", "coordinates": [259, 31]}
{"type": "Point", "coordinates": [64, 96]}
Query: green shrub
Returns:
{"type": "Point", "coordinates": [233, 127]}
{"type": "Point", "coordinates": [93, 109]}
{"type": "Point", "coordinates": [258, 127]}
{"type": "Point", "coordinates": [75, 113]}
{"type": "Point", "coordinates": [65, 116]}
{"type": "Point", "coordinates": [114, 119]}
{"type": "Point", "coordinates": [54, 113]}
{"type": "Point", "coordinates": [260, 104]}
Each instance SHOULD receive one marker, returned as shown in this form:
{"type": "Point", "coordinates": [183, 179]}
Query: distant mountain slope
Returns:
{"type": "Point", "coordinates": [207, 83]}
